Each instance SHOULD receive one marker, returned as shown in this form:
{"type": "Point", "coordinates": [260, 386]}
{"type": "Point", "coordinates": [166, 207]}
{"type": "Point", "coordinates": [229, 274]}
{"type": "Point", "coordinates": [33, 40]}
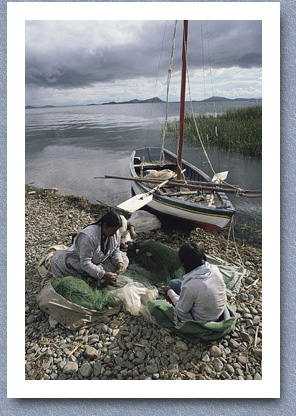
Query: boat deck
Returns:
{"type": "Point", "coordinates": [164, 170]}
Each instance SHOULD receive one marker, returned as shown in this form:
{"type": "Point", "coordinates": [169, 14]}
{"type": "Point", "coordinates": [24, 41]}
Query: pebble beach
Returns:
{"type": "Point", "coordinates": [126, 347]}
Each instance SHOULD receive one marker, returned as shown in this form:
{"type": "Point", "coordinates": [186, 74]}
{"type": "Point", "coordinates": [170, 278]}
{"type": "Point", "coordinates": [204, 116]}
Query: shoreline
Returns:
{"type": "Point", "coordinates": [50, 220]}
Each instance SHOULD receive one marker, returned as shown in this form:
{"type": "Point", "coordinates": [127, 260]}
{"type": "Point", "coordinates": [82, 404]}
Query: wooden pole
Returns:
{"type": "Point", "coordinates": [209, 186]}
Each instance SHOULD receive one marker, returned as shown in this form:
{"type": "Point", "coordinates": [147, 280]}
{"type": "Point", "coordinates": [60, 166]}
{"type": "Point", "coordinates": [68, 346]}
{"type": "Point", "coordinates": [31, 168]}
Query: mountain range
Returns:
{"type": "Point", "coordinates": [153, 100]}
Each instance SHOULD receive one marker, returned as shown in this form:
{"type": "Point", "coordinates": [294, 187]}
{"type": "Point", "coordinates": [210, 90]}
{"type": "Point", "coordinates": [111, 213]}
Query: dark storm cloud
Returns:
{"type": "Point", "coordinates": [216, 44]}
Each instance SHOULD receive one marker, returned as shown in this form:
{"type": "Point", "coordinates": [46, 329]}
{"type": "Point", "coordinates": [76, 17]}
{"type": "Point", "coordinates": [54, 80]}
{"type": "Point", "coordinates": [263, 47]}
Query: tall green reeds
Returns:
{"type": "Point", "coordinates": [237, 130]}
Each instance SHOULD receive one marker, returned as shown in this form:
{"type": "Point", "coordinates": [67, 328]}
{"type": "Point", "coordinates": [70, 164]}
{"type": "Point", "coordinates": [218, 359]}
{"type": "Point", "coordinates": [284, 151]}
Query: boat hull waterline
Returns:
{"type": "Point", "coordinates": [209, 218]}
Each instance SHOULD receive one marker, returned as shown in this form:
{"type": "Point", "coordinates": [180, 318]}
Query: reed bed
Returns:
{"type": "Point", "coordinates": [238, 130]}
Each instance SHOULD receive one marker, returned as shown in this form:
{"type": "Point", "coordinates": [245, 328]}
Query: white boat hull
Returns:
{"type": "Point", "coordinates": [199, 215]}
{"type": "Point", "coordinates": [199, 219]}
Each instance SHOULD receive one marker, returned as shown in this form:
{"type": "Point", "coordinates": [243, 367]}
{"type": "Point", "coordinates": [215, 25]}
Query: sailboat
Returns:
{"type": "Point", "coordinates": [180, 190]}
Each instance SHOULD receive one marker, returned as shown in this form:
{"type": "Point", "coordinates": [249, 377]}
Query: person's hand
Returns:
{"type": "Point", "coordinates": [123, 245]}
{"type": "Point", "coordinates": [165, 289]}
{"type": "Point", "coordinates": [91, 281]}
{"type": "Point", "coordinates": [120, 267]}
{"type": "Point", "coordinates": [110, 277]}
{"type": "Point", "coordinates": [133, 233]}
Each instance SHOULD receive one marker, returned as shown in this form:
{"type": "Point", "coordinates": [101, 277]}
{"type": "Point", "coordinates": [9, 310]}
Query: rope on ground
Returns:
{"type": "Point", "coordinates": [231, 229]}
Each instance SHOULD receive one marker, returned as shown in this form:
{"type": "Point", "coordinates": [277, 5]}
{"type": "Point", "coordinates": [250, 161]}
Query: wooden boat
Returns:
{"type": "Point", "coordinates": [209, 210]}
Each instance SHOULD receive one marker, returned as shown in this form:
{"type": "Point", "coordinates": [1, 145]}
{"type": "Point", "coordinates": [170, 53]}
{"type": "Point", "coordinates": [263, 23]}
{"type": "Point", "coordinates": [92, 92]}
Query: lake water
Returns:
{"type": "Point", "coordinates": [66, 147]}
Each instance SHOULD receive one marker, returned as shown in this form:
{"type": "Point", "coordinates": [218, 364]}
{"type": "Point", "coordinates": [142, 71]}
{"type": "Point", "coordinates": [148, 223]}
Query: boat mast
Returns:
{"type": "Point", "coordinates": [182, 101]}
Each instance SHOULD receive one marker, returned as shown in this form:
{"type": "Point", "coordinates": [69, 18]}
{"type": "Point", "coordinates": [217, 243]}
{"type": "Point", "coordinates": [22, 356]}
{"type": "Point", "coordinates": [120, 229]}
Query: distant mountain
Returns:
{"type": "Point", "coordinates": [214, 99]}
{"type": "Point", "coordinates": [44, 106]}
{"type": "Point", "coordinates": [149, 100]}
{"type": "Point", "coordinates": [135, 101]}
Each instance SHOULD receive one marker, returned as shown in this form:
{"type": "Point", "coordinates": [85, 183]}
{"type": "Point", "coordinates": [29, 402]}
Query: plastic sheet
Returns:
{"type": "Point", "coordinates": [135, 296]}
{"type": "Point", "coordinates": [144, 221]}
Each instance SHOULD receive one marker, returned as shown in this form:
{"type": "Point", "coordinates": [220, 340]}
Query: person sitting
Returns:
{"type": "Point", "coordinates": [128, 233]}
{"type": "Point", "coordinates": [201, 296]}
{"type": "Point", "coordinates": [95, 252]}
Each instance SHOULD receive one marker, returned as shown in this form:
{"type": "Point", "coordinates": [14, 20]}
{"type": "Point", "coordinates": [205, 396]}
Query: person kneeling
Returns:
{"type": "Point", "coordinates": [201, 296]}
{"type": "Point", "coordinates": [95, 252]}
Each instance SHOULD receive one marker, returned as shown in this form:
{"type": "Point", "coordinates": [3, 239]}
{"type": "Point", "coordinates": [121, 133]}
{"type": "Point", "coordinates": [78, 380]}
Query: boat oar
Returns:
{"type": "Point", "coordinates": [139, 201]}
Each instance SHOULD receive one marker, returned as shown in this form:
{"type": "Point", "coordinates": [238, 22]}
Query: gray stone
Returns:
{"type": "Point", "coordinates": [30, 319]}
{"type": "Point", "coordinates": [152, 368]}
{"type": "Point", "coordinates": [206, 358]}
{"type": "Point", "coordinates": [86, 370]}
{"type": "Point", "coordinates": [70, 368]}
{"type": "Point", "coordinates": [48, 363]}
{"type": "Point", "coordinates": [234, 343]}
{"type": "Point", "coordinates": [217, 364]}
{"type": "Point", "coordinates": [239, 372]}
{"type": "Point", "coordinates": [141, 355]}
{"type": "Point", "coordinates": [225, 375]}
{"type": "Point", "coordinates": [137, 361]}
{"type": "Point", "coordinates": [215, 351]}
{"type": "Point", "coordinates": [258, 353]}
{"type": "Point", "coordinates": [181, 346]}
{"type": "Point", "coordinates": [119, 361]}
{"type": "Point", "coordinates": [173, 366]}
{"type": "Point", "coordinates": [230, 369]}
{"type": "Point", "coordinates": [28, 367]}
{"type": "Point", "coordinates": [128, 364]}
{"type": "Point", "coordinates": [256, 320]}
{"type": "Point", "coordinates": [97, 368]}
{"type": "Point", "coordinates": [91, 353]}
{"type": "Point", "coordinates": [61, 364]}
{"type": "Point", "coordinates": [242, 359]}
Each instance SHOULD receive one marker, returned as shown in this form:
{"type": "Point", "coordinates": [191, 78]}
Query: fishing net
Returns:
{"type": "Point", "coordinates": [157, 264]}
{"type": "Point", "coordinates": [154, 263]}
{"type": "Point", "coordinates": [78, 291]}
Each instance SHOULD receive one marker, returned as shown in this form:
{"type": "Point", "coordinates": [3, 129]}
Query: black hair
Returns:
{"type": "Point", "coordinates": [191, 256]}
{"type": "Point", "coordinates": [111, 219]}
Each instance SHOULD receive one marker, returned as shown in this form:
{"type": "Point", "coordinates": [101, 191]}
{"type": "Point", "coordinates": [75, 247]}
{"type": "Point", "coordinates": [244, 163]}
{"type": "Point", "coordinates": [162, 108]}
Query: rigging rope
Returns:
{"type": "Point", "coordinates": [162, 157]}
{"type": "Point", "coordinates": [194, 121]}
{"type": "Point", "coordinates": [161, 50]}
{"type": "Point", "coordinates": [167, 99]}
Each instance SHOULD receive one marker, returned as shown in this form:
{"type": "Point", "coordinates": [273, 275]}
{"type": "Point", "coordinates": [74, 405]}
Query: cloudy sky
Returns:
{"type": "Point", "coordinates": [83, 62]}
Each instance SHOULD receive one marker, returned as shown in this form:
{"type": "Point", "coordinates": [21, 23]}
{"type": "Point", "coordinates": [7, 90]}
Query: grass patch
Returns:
{"type": "Point", "coordinates": [237, 130]}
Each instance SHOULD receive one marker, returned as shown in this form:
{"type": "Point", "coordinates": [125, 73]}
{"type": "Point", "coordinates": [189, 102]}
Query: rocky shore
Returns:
{"type": "Point", "coordinates": [125, 347]}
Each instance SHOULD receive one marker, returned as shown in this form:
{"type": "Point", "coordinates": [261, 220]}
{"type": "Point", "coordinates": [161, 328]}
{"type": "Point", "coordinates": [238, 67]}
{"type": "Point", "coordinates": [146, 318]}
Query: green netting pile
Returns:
{"type": "Point", "coordinates": [78, 291]}
{"type": "Point", "coordinates": [154, 263]}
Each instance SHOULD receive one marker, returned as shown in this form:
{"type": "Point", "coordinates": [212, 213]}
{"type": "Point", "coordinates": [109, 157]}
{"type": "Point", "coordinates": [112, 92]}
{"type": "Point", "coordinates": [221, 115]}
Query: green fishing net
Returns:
{"type": "Point", "coordinates": [157, 264]}
{"type": "Point", "coordinates": [154, 263]}
{"type": "Point", "coordinates": [78, 291]}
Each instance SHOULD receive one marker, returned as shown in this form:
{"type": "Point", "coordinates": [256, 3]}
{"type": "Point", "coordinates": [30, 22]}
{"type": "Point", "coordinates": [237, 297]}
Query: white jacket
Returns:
{"type": "Point", "coordinates": [203, 294]}
{"type": "Point", "coordinates": [86, 254]}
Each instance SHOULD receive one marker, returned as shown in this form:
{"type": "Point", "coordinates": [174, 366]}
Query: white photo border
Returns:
{"type": "Point", "coordinates": [17, 14]}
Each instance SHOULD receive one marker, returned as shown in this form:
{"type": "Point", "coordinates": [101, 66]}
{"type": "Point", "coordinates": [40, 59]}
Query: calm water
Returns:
{"type": "Point", "coordinates": [67, 146]}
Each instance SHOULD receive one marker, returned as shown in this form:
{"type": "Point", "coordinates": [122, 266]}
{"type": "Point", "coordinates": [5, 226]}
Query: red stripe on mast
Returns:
{"type": "Point", "coordinates": [182, 102]}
